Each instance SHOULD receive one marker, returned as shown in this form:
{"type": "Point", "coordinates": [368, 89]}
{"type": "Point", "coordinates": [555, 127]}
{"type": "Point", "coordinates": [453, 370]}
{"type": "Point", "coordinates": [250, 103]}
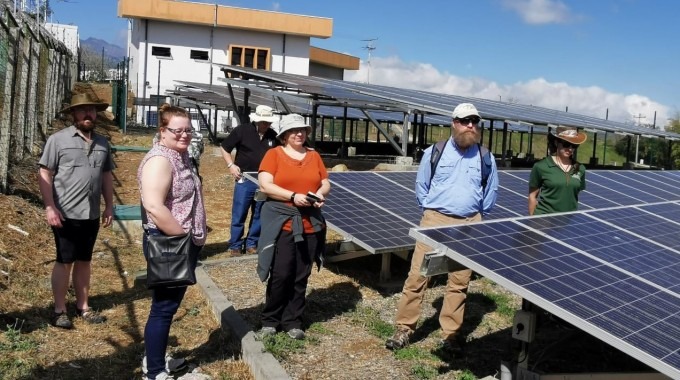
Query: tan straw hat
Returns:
{"type": "Point", "coordinates": [85, 100]}
{"type": "Point", "coordinates": [570, 134]}
{"type": "Point", "coordinates": [263, 113]}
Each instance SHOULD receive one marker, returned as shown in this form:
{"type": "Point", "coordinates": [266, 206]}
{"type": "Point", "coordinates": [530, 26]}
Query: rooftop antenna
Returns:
{"type": "Point", "coordinates": [369, 46]}
{"type": "Point", "coordinates": [639, 117]}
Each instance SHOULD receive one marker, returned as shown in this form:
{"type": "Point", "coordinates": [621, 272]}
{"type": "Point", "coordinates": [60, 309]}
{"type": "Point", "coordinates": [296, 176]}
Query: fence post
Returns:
{"type": "Point", "coordinates": [6, 110]}
{"type": "Point", "coordinates": [19, 95]}
{"type": "Point", "coordinates": [32, 94]}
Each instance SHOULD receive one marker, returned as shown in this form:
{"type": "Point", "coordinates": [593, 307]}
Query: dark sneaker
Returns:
{"type": "Point", "coordinates": [399, 340]}
{"type": "Point", "coordinates": [91, 316]}
{"type": "Point", "coordinates": [233, 252]}
{"type": "Point", "coordinates": [172, 365]}
{"type": "Point", "coordinates": [61, 320]}
{"type": "Point", "coordinates": [266, 331]}
{"type": "Point", "coordinates": [251, 251]}
{"type": "Point", "coordinates": [296, 334]}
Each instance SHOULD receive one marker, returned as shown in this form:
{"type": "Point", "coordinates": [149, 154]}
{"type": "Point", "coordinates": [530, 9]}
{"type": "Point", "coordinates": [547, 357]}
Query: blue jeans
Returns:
{"type": "Point", "coordinates": [164, 305]}
{"type": "Point", "coordinates": [244, 201]}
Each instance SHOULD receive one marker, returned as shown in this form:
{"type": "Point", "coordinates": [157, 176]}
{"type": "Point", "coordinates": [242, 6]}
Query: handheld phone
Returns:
{"type": "Point", "coordinates": [312, 198]}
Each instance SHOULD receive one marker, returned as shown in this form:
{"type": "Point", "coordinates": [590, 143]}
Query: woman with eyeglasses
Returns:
{"type": "Point", "coordinates": [556, 180]}
{"type": "Point", "coordinates": [172, 199]}
{"type": "Point", "coordinates": [293, 233]}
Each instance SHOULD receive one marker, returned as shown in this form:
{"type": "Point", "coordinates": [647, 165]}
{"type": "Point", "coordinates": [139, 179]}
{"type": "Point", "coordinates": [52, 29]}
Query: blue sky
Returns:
{"type": "Point", "coordinates": [584, 55]}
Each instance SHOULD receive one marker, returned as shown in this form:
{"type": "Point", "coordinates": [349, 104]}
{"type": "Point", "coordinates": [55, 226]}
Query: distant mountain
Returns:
{"type": "Point", "coordinates": [111, 51]}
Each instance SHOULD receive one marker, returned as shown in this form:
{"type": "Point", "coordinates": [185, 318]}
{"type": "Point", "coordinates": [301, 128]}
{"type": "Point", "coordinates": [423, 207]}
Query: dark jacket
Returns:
{"type": "Point", "coordinates": [276, 214]}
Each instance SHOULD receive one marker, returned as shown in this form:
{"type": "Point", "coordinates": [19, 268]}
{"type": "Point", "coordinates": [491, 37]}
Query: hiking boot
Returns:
{"type": "Point", "coordinates": [61, 320]}
{"type": "Point", "coordinates": [172, 365]}
{"type": "Point", "coordinates": [296, 334]}
{"type": "Point", "coordinates": [251, 251]}
{"type": "Point", "coordinates": [451, 347]}
{"type": "Point", "coordinates": [91, 316]}
{"type": "Point", "coordinates": [233, 252]}
{"type": "Point", "coordinates": [399, 340]}
{"type": "Point", "coordinates": [266, 331]}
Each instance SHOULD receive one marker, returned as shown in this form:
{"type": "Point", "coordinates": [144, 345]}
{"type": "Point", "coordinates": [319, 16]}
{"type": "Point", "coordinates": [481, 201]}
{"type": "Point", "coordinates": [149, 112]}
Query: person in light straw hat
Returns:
{"type": "Point", "coordinates": [295, 180]}
{"type": "Point", "coordinates": [556, 181]}
{"type": "Point", "coordinates": [251, 141]}
{"type": "Point", "coordinates": [75, 172]}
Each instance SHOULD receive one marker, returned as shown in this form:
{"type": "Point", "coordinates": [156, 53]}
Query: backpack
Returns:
{"type": "Point", "coordinates": [484, 155]}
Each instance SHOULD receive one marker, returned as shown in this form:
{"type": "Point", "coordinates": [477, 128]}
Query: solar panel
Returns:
{"type": "Point", "coordinates": [609, 281]}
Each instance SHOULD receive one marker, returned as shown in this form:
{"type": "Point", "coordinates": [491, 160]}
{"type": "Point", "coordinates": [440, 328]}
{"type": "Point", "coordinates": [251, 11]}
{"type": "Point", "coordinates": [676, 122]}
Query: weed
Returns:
{"type": "Point", "coordinates": [414, 353]}
{"type": "Point", "coordinates": [424, 371]}
{"type": "Point", "coordinates": [370, 318]}
{"type": "Point", "coordinates": [194, 311]}
{"type": "Point", "coordinates": [466, 375]}
{"type": "Point", "coordinates": [14, 341]}
{"type": "Point", "coordinates": [319, 328]}
{"type": "Point", "coordinates": [282, 346]}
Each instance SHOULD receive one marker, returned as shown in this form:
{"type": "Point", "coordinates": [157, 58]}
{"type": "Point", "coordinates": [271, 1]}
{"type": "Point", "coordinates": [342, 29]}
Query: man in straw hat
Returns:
{"type": "Point", "coordinates": [75, 170]}
{"type": "Point", "coordinates": [251, 141]}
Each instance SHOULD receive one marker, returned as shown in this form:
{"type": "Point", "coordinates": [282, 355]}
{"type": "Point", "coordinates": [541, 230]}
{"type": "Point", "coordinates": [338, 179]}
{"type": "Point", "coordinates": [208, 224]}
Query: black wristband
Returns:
{"type": "Point", "coordinates": [292, 197]}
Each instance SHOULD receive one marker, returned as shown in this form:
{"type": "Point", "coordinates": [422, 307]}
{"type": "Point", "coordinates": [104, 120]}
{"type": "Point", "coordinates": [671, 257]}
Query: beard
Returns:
{"type": "Point", "coordinates": [85, 125]}
{"type": "Point", "coordinates": [465, 139]}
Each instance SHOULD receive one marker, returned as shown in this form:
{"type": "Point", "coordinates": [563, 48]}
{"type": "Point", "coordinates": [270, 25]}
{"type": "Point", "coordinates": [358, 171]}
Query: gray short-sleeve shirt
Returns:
{"type": "Point", "coordinates": [77, 167]}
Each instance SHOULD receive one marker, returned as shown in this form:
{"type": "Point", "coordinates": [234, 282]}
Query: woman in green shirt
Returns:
{"type": "Point", "coordinates": [556, 180]}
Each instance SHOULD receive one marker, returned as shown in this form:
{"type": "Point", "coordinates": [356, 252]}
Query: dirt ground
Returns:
{"type": "Point", "coordinates": [347, 318]}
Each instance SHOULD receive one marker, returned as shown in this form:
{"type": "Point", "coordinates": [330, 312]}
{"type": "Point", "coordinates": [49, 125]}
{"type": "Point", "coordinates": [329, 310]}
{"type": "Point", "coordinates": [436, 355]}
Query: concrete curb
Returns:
{"type": "Point", "coordinates": [263, 364]}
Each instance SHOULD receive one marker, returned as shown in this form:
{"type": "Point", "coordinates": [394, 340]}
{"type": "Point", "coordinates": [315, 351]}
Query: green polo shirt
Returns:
{"type": "Point", "coordinates": [77, 167]}
{"type": "Point", "coordinates": [558, 190]}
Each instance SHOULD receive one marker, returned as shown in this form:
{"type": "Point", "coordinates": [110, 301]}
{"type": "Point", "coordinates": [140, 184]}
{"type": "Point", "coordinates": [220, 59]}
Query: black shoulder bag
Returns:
{"type": "Point", "coordinates": [171, 262]}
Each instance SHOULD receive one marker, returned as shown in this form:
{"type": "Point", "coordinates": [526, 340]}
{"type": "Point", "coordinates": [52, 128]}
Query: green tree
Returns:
{"type": "Point", "coordinates": [675, 148]}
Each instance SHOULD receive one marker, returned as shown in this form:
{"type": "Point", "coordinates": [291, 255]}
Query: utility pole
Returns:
{"type": "Point", "coordinates": [369, 46]}
{"type": "Point", "coordinates": [639, 117]}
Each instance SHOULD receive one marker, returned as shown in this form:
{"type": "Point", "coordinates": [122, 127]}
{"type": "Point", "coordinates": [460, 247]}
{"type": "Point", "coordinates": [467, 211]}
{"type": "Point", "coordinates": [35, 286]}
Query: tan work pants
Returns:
{"type": "Point", "coordinates": [409, 306]}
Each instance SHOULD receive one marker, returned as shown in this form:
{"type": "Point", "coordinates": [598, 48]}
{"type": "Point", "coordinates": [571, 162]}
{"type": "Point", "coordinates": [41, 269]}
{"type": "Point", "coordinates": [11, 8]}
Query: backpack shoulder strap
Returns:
{"type": "Point", "coordinates": [485, 162]}
{"type": "Point", "coordinates": [436, 155]}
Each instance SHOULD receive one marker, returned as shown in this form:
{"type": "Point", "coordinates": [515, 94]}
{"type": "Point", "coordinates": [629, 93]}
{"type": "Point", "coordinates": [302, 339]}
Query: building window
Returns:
{"type": "Point", "coordinates": [199, 54]}
{"type": "Point", "coordinates": [253, 57]}
{"type": "Point", "coordinates": [159, 51]}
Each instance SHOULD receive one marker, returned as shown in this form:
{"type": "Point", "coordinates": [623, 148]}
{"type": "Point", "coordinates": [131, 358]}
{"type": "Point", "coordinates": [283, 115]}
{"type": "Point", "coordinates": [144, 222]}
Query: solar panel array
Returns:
{"type": "Point", "coordinates": [614, 273]}
{"type": "Point", "coordinates": [391, 195]}
{"type": "Point", "coordinates": [344, 92]}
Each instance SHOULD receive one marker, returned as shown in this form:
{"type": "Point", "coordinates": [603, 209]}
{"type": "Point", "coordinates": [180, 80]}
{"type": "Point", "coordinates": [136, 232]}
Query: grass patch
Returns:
{"type": "Point", "coordinates": [424, 371]}
{"type": "Point", "coordinates": [282, 346]}
{"type": "Point", "coordinates": [319, 328]}
{"type": "Point", "coordinates": [414, 353]}
{"type": "Point", "coordinates": [369, 319]}
{"type": "Point", "coordinates": [466, 375]}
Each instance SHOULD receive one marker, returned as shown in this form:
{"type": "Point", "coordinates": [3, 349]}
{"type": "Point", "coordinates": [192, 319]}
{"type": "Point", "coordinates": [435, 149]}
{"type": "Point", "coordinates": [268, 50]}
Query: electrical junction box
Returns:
{"type": "Point", "coordinates": [524, 326]}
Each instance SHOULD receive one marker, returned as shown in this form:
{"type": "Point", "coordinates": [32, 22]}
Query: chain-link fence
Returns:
{"type": "Point", "coordinates": [36, 73]}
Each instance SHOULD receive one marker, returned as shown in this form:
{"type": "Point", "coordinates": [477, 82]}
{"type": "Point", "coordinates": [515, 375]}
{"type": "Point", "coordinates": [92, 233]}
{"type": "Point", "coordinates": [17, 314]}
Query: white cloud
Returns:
{"type": "Point", "coordinates": [541, 11]}
{"type": "Point", "coordinates": [276, 6]}
{"type": "Point", "coordinates": [591, 101]}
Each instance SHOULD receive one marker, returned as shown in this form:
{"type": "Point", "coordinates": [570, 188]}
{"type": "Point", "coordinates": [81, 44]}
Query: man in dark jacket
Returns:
{"type": "Point", "coordinates": [251, 141]}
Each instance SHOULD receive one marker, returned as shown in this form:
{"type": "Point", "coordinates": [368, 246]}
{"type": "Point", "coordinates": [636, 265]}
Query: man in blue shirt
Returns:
{"type": "Point", "coordinates": [453, 195]}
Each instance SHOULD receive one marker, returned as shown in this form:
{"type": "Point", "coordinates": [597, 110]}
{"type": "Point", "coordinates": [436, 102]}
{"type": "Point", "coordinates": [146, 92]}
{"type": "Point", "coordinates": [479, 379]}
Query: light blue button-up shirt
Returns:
{"type": "Point", "coordinates": [456, 188]}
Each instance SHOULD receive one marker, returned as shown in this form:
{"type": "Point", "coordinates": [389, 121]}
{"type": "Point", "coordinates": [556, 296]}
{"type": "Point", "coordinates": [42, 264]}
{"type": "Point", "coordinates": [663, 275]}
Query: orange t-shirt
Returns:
{"type": "Point", "coordinates": [299, 176]}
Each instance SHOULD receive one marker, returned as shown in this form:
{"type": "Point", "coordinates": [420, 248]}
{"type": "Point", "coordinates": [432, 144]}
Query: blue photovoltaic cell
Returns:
{"type": "Point", "coordinates": [373, 228]}
{"type": "Point", "coordinates": [625, 185]}
{"type": "Point", "coordinates": [600, 277]}
{"type": "Point", "coordinates": [406, 179]}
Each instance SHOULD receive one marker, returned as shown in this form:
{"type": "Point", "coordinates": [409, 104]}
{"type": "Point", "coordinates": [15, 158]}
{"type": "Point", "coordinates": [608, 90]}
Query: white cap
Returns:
{"type": "Point", "coordinates": [464, 110]}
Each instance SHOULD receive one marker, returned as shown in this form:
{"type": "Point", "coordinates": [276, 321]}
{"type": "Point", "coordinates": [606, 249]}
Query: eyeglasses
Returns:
{"type": "Point", "coordinates": [179, 132]}
{"type": "Point", "coordinates": [468, 120]}
{"type": "Point", "coordinates": [568, 145]}
{"type": "Point", "coordinates": [295, 131]}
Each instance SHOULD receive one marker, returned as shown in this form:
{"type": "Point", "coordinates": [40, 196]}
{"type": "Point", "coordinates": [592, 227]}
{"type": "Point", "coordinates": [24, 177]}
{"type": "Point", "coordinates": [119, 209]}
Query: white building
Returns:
{"type": "Point", "coordinates": [178, 41]}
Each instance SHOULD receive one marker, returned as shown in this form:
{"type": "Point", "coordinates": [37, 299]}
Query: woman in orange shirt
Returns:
{"type": "Point", "coordinates": [293, 229]}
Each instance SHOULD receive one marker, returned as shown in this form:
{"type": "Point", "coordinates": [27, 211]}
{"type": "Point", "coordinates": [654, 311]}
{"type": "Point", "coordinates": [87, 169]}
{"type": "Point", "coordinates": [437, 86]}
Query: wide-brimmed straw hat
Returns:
{"type": "Point", "coordinates": [293, 121]}
{"type": "Point", "coordinates": [85, 100]}
{"type": "Point", "coordinates": [263, 113]}
{"type": "Point", "coordinates": [570, 134]}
